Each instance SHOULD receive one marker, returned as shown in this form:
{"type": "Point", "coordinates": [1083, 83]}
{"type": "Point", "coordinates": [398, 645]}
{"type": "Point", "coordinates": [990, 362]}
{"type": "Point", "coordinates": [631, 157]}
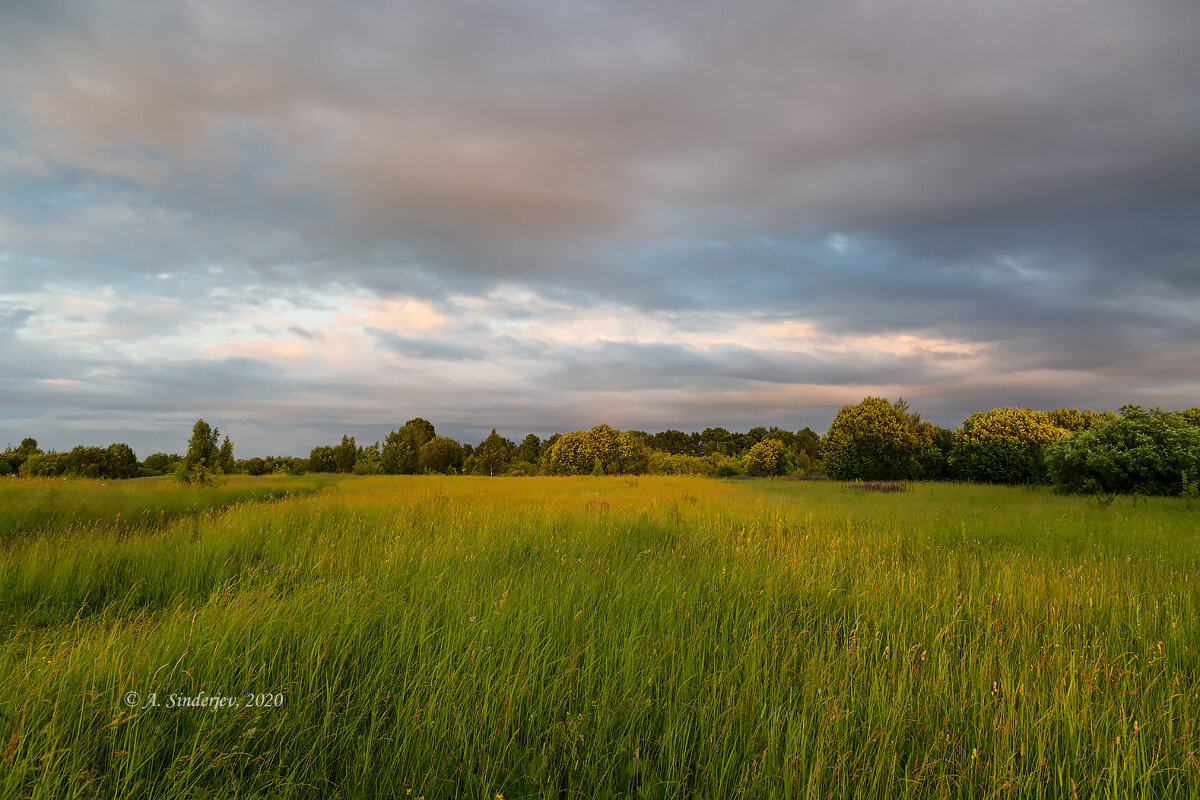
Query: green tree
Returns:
{"type": "Point", "coordinates": [202, 447]}
{"type": "Point", "coordinates": [120, 462]}
{"type": "Point", "coordinates": [491, 455]}
{"type": "Point", "coordinates": [1155, 452]}
{"type": "Point", "coordinates": [225, 456]}
{"type": "Point", "coordinates": [1003, 445]}
{"type": "Point", "coordinates": [321, 459]}
{"type": "Point", "coordinates": [768, 457]}
{"type": "Point", "coordinates": [530, 449]}
{"type": "Point", "coordinates": [575, 453]}
{"type": "Point", "coordinates": [399, 455]}
{"type": "Point", "coordinates": [345, 454]}
{"type": "Point", "coordinates": [201, 462]}
{"type": "Point", "coordinates": [875, 440]}
{"type": "Point", "coordinates": [442, 454]}
{"type": "Point", "coordinates": [422, 431]}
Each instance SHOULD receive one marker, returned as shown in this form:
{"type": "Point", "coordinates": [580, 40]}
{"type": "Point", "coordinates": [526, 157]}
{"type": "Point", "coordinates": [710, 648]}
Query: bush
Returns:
{"type": "Point", "coordinates": [768, 457]}
{"type": "Point", "coordinates": [664, 463]}
{"type": "Point", "coordinates": [578, 452]}
{"type": "Point", "coordinates": [1003, 445]}
{"type": "Point", "coordinates": [876, 440]}
{"type": "Point", "coordinates": [1155, 452]}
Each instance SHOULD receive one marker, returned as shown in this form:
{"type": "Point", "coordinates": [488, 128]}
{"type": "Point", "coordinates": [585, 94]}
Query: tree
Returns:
{"type": "Point", "coordinates": [225, 456]}
{"type": "Point", "coordinates": [321, 459]}
{"type": "Point", "coordinates": [120, 462]}
{"type": "Point", "coordinates": [345, 454]}
{"type": "Point", "coordinates": [202, 459]}
{"type": "Point", "coordinates": [1003, 445]}
{"type": "Point", "coordinates": [399, 455]}
{"type": "Point", "coordinates": [202, 447]}
{"type": "Point", "coordinates": [768, 457]}
{"type": "Point", "coordinates": [491, 455]}
{"type": "Point", "coordinates": [442, 454]}
{"type": "Point", "coordinates": [422, 431]}
{"type": "Point", "coordinates": [29, 446]}
{"type": "Point", "coordinates": [1155, 452]}
{"type": "Point", "coordinates": [875, 440]}
{"type": "Point", "coordinates": [530, 449]}
{"type": "Point", "coordinates": [576, 453]}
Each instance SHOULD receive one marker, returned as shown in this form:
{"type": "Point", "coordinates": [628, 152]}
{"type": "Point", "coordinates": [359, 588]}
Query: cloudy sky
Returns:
{"type": "Point", "coordinates": [298, 220]}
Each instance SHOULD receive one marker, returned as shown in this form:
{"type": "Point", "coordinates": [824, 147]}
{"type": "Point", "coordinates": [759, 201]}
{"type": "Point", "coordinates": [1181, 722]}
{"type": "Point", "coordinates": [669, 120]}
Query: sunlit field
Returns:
{"type": "Point", "coordinates": [595, 638]}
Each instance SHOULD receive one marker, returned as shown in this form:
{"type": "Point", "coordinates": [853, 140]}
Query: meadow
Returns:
{"type": "Point", "coordinates": [649, 637]}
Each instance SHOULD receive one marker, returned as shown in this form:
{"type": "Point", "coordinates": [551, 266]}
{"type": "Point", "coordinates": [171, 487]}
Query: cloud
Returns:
{"type": "Point", "coordinates": [528, 202]}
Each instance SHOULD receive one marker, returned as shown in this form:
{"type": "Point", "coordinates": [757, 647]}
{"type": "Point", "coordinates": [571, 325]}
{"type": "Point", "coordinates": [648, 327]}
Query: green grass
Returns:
{"type": "Point", "coordinates": [608, 637]}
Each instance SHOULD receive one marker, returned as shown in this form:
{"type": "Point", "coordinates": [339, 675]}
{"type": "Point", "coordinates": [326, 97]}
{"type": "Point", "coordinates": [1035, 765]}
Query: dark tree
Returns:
{"type": "Point", "coordinates": [345, 454]}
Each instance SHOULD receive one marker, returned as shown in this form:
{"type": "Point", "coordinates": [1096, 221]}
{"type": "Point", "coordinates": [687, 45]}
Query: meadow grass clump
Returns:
{"type": "Point", "coordinates": [606, 637]}
{"type": "Point", "coordinates": [877, 486]}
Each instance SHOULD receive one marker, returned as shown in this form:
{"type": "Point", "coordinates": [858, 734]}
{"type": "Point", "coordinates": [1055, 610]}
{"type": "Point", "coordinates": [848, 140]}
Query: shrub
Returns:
{"type": "Point", "coordinates": [1003, 445]}
{"type": "Point", "coordinates": [578, 452]}
{"type": "Point", "coordinates": [875, 440]}
{"type": "Point", "coordinates": [664, 463]}
{"type": "Point", "coordinates": [1155, 452]}
{"type": "Point", "coordinates": [768, 457]}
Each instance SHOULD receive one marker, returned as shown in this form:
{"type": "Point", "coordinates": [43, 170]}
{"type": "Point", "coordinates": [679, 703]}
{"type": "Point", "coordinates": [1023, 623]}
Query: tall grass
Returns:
{"type": "Point", "coordinates": [612, 637]}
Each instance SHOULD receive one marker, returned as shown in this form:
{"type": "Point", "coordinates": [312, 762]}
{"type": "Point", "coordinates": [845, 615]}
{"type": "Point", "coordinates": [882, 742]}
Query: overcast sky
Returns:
{"type": "Point", "coordinates": [298, 220]}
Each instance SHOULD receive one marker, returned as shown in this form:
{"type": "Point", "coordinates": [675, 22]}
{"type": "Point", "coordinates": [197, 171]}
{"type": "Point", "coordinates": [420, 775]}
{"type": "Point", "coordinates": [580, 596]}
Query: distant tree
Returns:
{"type": "Point", "coordinates": [321, 459]}
{"type": "Point", "coordinates": [159, 462]}
{"type": "Point", "coordinates": [442, 454]}
{"type": "Point", "coordinates": [399, 456]}
{"type": "Point", "coordinates": [29, 446]}
{"type": "Point", "coordinates": [368, 460]}
{"type": "Point", "coordinates": [225, 456]}
{"type": "Point", "coordinates": [671, 441]}
{"type": "Point", "coordinates": [576, 453]}
{"type": "Point", "coordinates": [1148, 452]}
{"type": "Point", "coordinates": [808, 442]}
{"type": "Point", "coordinates": [422, 431]}
{"type": "Point", "coordinates": [768, 457]}
{"type": "Point", "coordinates": [716, 440]}
{"type": "Point", "coordinates": [255, 466]}
{"type": "Point", "coordinates": [1072, 419]}
{"type": "Point", "coordinates": [491, 455]}
{"type": "Point", "coordinates": [875, 440]}
{"type": "Point", "coordinates": [202, 461]}
{"type": "Point", "coordinates": [345, 454]}
{"type": "Point", "coordinates": [530, 449]}
{"type": "Point", "coordinates": [120, 462]}
{"type": "Point", "coordinates": [1004, 445]}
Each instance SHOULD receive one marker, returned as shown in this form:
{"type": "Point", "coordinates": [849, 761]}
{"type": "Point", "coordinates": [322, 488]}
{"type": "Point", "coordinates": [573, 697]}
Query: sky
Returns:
{"type": "Point", "coordinates": [299, 220]}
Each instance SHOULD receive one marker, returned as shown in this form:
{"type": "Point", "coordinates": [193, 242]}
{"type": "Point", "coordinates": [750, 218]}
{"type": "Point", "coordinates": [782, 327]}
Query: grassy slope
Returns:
{"type": "Point", "coordinates": [595, 637]}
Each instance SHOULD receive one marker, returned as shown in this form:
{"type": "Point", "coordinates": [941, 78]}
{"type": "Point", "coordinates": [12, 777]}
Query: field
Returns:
{"type": "Point", "coordinates": [595, 638]}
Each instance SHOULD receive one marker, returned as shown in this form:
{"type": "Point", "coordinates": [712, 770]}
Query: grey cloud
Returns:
{"type": "Point", "coordinates": [433, 349]}
{"type": "Point", "coordinates": [1023, 175]}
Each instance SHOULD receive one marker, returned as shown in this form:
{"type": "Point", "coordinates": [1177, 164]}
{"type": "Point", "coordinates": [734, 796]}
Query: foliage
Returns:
{"type": "Point", "coordinates": [442, 454]}
{"type": "Point", "coordinates": [615, 453]}
{"type": "Point", "coordinates": [876, 440]}
{"type": "Point", "coordinates": [1004, 445]}
{"type": "Point", "coordinates": [321, 459]}
{"type": "Point", "coordinates": [203, 460]}
{"type": "Point", "coordinates": [768, 457]}
{"type": "Point", "coordinates": [1072, 419]}
{"type": "Point", "coordinates": [491, 455]}
{"type": "Point", "coordinates": [529, 450]}
{"type": "Point", "coordinates": [659, 462]}
{"type": "Point", "coordinates": [345, 454]}
{"type": "Point", "coordinates": [1149, 453]}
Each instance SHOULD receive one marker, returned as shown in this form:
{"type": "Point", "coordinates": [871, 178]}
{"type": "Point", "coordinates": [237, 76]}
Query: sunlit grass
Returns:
{"type": "Point", "coordinates": [605, 637]}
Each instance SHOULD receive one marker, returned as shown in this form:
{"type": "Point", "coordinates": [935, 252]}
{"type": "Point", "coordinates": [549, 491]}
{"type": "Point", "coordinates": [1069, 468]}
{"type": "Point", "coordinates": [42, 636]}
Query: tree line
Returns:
{"type": "Point", "coordinates": [1133, 450]}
